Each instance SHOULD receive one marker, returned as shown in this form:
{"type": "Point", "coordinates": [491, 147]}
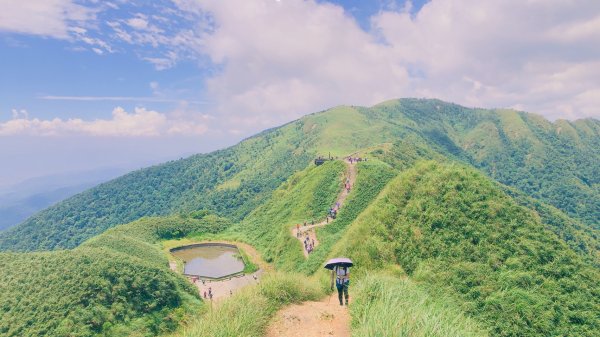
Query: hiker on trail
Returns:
{"type": "Point", "coordinates": [313, 242]}
{"type": "Point", "coordinates": [342, 282]}
{"type": "Point", "coordinates": [327, 219]}
{"type": "Point", "coordinates": [204, 294]}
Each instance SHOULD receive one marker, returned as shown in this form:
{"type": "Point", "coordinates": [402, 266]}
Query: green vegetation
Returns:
{"type": "Point", "coordinates": [113, 285]}
{"type": "Point", "coordinates": [555, 163]}
{"type": "Point", "coordinates": [457, 232]}
{"type": "Point", "coordinates": [249, 267]}
{"type": "Point", "coordinates": [372, 178]}
{"type": "Point", "coordinates": [307, 195]}
{"type": "Point", "coordinates": [440, 248]}
{"type": "Point", "coordinates": [260, 164]}
{"type": "Point", "coordinates": [388, 307]}
{"type": "Point", "coordinates": [248, 312]}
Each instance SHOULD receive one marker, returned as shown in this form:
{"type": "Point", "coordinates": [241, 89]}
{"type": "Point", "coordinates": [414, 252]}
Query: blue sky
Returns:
{"type": "Point", "coordinates": [87, 84]}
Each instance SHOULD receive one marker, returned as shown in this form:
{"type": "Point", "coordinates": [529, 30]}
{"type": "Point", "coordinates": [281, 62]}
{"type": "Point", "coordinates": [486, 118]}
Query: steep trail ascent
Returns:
{"type": "Point", "coordinates": [307, 319]}
{"type": "Point", "coordinates": [309, 230]}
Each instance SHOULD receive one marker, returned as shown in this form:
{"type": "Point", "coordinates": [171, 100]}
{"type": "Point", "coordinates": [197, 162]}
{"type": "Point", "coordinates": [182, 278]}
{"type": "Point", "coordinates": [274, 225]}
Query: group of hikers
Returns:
{"type": "Point", "coordinates": [309, 244]}
{"type": "Point", "coordinates": [354, 160]}
{"type": "Point", "coordinates": [210, 294]}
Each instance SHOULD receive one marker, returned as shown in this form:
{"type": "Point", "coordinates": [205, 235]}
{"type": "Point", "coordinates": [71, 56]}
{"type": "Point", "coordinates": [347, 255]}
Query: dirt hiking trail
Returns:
{"type": "Point", "coordinates": [311, 319]}
{"type": "Point", "coordinates": [309, 230]}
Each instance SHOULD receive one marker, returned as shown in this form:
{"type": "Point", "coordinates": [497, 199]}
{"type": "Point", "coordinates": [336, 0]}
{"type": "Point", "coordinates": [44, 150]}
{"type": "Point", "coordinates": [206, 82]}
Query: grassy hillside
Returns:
{"type": "Point", "coordinates": [385, 306]}
{"type": "Point", "coordinates": [230, 182]}
{"type": "Point", "coordinates": [306, 196]}
{"type": "Point", "coordinates": [113, 285]}
{"type": "Point", "coordinates": [248, 312]}
{"type": "Point", "coordinates": [457, 233]}
{"type": "Point", "coordinates": [372, 178]}
{"type": "Point", "coordinates": [553, 162]}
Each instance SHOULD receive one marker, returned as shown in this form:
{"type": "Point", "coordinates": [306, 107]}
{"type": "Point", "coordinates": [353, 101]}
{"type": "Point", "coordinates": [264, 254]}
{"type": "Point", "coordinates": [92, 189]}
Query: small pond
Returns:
{"type": "Point", "coordinates": [210, 260]}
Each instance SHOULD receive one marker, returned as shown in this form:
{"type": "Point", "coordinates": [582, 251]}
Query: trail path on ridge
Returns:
{"type": "Point", "coordinates": [311, 319]}
{"type": "Point", "coordinates": [350, 175]}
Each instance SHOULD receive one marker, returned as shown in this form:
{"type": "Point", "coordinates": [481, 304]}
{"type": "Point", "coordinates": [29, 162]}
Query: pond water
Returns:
{"type": "Point", "coordinates": [211, 260]}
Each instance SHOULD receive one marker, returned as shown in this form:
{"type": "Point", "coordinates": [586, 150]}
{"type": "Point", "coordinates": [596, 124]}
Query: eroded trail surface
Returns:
{"type": "Point", "coordinates": [309, 230]}
{"type": "Point", "coordinates": [323, 318]}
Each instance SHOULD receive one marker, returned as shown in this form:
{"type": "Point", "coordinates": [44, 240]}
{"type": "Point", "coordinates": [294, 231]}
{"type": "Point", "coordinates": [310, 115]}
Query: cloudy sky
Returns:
{"type": "Point", "coordinates": [91, 84]}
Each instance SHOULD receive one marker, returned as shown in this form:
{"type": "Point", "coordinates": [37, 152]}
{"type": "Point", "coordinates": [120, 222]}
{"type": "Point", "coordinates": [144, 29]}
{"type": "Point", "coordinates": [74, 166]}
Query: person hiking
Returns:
{"type": "Point", "coordinates": [342, 282]}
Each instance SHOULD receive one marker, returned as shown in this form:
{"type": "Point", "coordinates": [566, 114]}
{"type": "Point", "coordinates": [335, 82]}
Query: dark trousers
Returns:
{"type": "Point", "coordinates": [342, 288]}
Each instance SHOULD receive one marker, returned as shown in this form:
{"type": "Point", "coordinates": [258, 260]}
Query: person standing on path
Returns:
{"type": "Point", "coordinates": [342, 282]}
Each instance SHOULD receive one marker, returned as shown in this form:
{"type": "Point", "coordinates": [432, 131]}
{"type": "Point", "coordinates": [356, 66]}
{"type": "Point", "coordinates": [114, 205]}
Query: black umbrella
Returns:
{"type": "Point", "coordinates": [338, 261]}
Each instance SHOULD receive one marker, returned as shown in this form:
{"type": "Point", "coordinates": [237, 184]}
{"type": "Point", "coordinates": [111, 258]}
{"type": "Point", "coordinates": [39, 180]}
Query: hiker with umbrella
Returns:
{"type": "Point", "coordinates": [339, 269]}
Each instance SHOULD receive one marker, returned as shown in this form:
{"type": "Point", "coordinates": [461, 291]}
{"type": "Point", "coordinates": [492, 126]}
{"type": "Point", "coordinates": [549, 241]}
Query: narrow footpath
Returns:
{"type": "Point", "coordinates": [308, 319]}
{"type": "Point", "coordinates": [309, 230]}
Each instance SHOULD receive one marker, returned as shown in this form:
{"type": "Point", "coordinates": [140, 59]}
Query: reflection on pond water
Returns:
{"type": "Point", "coordinates": [210, 260]}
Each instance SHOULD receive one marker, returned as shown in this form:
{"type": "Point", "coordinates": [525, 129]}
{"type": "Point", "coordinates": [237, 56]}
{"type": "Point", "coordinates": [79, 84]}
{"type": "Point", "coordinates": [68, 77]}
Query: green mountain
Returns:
{"type": "Point", "coordinates": [553, 162]}
{"type": "Point", "coordinates": [465, 222]}
{"type": "Point", "coordinates": [455, 231]}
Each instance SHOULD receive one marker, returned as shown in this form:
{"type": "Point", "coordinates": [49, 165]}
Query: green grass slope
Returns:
{"type": "Point", "coordinates": [553, 162]}
{"type": "Point", "coordinates": [371, 179]}
{"type": "Point", "coordinates": [306, 196]}
{"type": "Point", "coordinates": [249, 311]}
{"type": "Point", "coordinates": [385, 306]}
{"type": "Point", "coordinates": [230, 182]}
{"type": "Point", "coordinates": [457, 233]}
{"type": "Point", "coordinates": [556, 163]}
{"type": "Point", "coordinates": [116, 284]}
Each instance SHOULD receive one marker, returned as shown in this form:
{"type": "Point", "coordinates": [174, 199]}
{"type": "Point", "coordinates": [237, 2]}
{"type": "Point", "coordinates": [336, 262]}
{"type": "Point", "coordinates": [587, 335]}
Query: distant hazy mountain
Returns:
{"type": "Point", "coordinates": [556, 163]}
{"type": "Point", "coordinates": [20, 201]}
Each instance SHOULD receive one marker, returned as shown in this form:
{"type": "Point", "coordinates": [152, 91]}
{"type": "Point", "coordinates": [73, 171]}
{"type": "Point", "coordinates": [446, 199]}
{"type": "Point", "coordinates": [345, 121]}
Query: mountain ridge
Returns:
{"type": "Point", "coordinates": [515, 148]}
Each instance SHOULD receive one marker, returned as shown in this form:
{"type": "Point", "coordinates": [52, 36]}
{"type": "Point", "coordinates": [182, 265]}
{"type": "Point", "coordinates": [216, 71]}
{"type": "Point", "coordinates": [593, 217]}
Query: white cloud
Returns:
{"type": "Point", "coordinates": [280, 60]}
{"type": "Point", "coordinates": [284, 59]}
{"type": "Point", "coordinates": [272, 61]}
{"type": "Point", "coordinates": [42, 17]}
{"type": "Point", "coordinates": [16, 114]}
{"type": "Point", "coordinates": [141, 122]}
{"type": "Point", "coordinates": [139, 22]}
